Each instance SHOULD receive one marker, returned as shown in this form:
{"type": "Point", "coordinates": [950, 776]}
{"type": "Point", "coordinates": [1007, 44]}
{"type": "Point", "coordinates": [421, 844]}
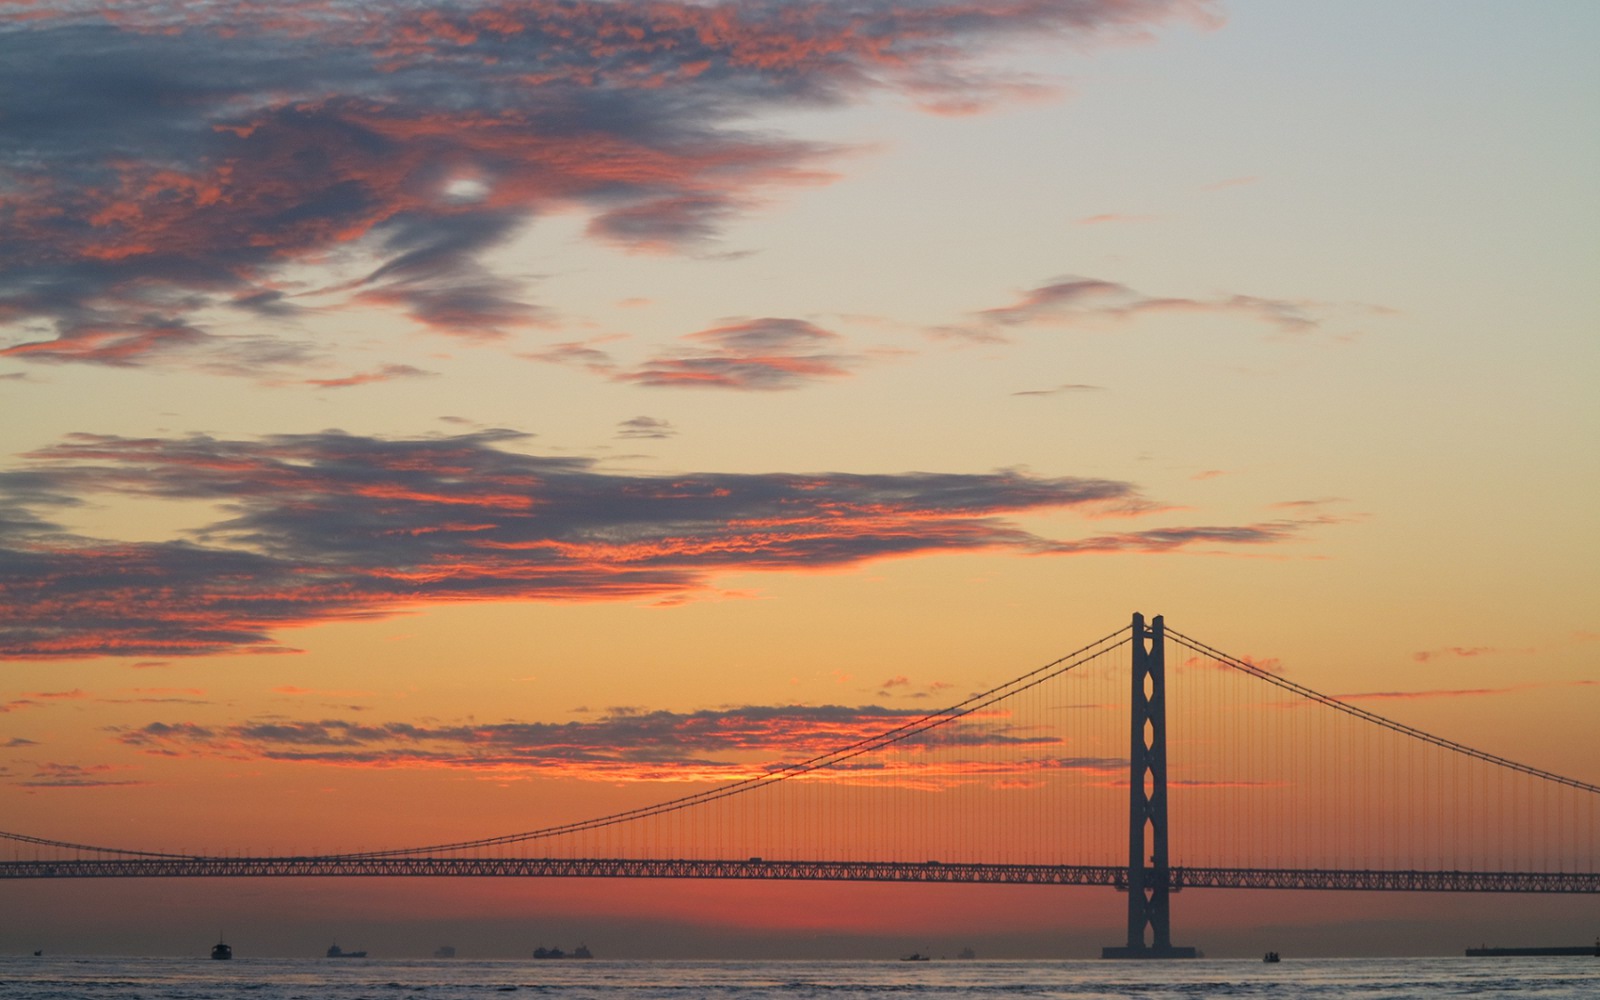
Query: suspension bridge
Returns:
{"type": "Point", "coordinates": [1200, 770]}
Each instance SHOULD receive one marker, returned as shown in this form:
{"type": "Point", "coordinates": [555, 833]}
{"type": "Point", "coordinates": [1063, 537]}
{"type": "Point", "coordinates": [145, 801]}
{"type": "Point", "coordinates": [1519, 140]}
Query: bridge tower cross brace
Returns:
{"type": "Point", "coordinates": [1149, 875]}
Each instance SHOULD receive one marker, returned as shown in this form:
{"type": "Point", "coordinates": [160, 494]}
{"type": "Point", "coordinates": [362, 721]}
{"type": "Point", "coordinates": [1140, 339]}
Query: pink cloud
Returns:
{"type": "Point", "coordinates": [761, 354]}
{"type": "Point", "coordinates": [1455, 651]}
{"type": "Point", "coordinates": [386, 373]}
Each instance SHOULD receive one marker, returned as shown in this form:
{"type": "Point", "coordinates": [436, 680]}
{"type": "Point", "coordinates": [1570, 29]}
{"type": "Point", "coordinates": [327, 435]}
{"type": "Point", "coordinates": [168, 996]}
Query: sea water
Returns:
{"type": "Point", "coordinates": [94, 978]}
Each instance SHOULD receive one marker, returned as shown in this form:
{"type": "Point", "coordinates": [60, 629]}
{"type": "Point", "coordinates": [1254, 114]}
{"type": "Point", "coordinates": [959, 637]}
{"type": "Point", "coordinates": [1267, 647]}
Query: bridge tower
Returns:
{"type": "Point", "coordinates": [1149, 878]}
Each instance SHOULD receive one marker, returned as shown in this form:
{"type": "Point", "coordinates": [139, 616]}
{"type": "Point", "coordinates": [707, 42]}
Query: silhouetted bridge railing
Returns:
{"type": "Point", "coordinates": [824, 871]}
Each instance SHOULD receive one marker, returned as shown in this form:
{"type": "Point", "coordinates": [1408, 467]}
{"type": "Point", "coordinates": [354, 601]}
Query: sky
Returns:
{"type": "Point", "coordinates": [422, 421]}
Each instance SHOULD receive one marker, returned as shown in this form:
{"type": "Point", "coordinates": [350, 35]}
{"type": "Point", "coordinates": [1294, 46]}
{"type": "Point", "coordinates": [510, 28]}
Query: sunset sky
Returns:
{"type": "Point", "coordinates": [423, 421]}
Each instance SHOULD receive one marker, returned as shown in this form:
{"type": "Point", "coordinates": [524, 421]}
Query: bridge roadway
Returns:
{"type": "Point", "coordinates": [837, 871]}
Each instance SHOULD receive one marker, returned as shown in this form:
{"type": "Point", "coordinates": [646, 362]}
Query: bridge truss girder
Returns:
{"type": "Point", "coordinates": [822, 871]}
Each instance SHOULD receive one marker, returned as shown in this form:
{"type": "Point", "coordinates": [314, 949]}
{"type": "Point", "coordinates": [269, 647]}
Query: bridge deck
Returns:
{"type": "Point", "coordinates": [836, 871]}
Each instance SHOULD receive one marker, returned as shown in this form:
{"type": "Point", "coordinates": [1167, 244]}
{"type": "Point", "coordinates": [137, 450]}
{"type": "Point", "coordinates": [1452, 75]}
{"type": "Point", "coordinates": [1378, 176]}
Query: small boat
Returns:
{"type": "Point", "coordinates": [967, 953]}
{"type": "Point", "coordinates": [334, 951]}
{"type": "Point", "coordinates": [915, 956]}
{"type": "Point", "coordinates": [582, 951]}
{"type": "Point", "coordinates": [445, 951]}
{"type": "Point", "coordinates": [1270, 956]}
{"type": "Point", "coordinates": [37, 952]}
{"type": "Point", "coordinates": [221, 951]}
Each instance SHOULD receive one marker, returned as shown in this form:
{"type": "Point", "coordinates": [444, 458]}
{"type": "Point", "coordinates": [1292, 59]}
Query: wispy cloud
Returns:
{"type": "Point", "coordinates": [760, 354]}
{"type": "Point", "coordinates": [1270, 664]}
{"type": "Point", "coordinates": [1442, 693]}
{"type": "Point", "coordinates": [1073, 301]}
{"type": "Point", "coordinates": [386, 373]}
{"type": "Point", "coordinates": [645, 428]}
{"type": "Point", "coordinates": [1173, 539]}
{"type": "Point", "coordinates": [1461, 652]}
{"type": "Point", "coordinates": [40, 699]}
{"type": "Point", "coordinates": [54, 775]}
{"type": "Point", "coordinates": [625, 744]}
{"type": "Point", "coordinates": [576, 354]}
{"type": "Point", "coordinates": [174, 161]}
{"type": "Point", "coordinates": [1070, 387]}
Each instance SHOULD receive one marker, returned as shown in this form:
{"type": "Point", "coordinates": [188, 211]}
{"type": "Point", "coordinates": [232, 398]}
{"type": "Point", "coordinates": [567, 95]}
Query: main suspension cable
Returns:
{"type": "Point", "coordinates": [1373, 717]}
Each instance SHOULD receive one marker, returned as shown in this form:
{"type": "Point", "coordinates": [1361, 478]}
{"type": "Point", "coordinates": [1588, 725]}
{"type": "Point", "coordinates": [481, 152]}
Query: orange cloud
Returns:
{"type": "Point", "coordinates": [1458, 651]}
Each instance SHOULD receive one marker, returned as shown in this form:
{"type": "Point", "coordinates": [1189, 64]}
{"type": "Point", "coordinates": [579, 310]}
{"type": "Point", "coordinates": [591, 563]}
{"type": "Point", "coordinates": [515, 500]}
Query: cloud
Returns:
{"type": "Point", "coordinates": [1173, 539]}
{"type": "Point", "coordinates": [52, 775]}
{"type": "Point", "coordinates": [177, 162]}
{"type": "Point", "coordinates": [386, 373]}
{"type": "Point", "coordinates": [1076, 297]}
{"type": "Point", "coordinates": [40, 699]}
{"type": "Point", "coordinates": [17, 742]}
{"type": "Point", "coordinates": [74, 695]}
{"type": "Point", "coordinates": [886, 689]}
{"type": "Point", "coordinates": [578, 355]}
{"type": "Point", "coordinates": [332, 526]}
{"type": "Point", "coordinates": [760, 354]}
{"type": "Point", "coordinates": [1058, 390]}
{"type": "Point", "coordinates": [1304, 504]}
{"type": "Point", "coordinates": [626, 744]}
{"type": "Point", "coordinates": [1463, 652]}
{"type": "Point", "coordinates": [1271, 664]}
{"type": "Point", "coordinates": [1073, 300]}
{"type": "Point", "coordinates": [1458, 692]}
{"type": "Point", "coordinates": [645, 428]}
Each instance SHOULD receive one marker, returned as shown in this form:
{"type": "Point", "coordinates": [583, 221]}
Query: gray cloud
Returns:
{"type": "Point", "coordinates": [759, 354]}
{"type": "Point", "coordinates": [645, 428]}
{"type": "Point", "coordinates": [187, 157]}
{"type": "Point", "coordinates": [1073, 300]}
{"type": "Point", "coordinates": [621, 744]}
{"type": "Point", "coordinates": [53, 775]}
{"type": "Point", "coordinates": [333, 526]}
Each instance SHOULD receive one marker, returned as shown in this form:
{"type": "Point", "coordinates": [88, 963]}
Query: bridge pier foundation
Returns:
{"type": "Point", "coordinates": [1149, 877]}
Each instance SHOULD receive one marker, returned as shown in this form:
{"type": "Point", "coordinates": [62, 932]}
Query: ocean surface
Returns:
{"type": "Point", "coordinates": [82, 978]}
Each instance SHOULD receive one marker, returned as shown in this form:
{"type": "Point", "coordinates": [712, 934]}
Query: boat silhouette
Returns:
{"type": "Point", "coordinates": [582, 951]}
{"type": "Point", "coordinates": [334, 951]}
